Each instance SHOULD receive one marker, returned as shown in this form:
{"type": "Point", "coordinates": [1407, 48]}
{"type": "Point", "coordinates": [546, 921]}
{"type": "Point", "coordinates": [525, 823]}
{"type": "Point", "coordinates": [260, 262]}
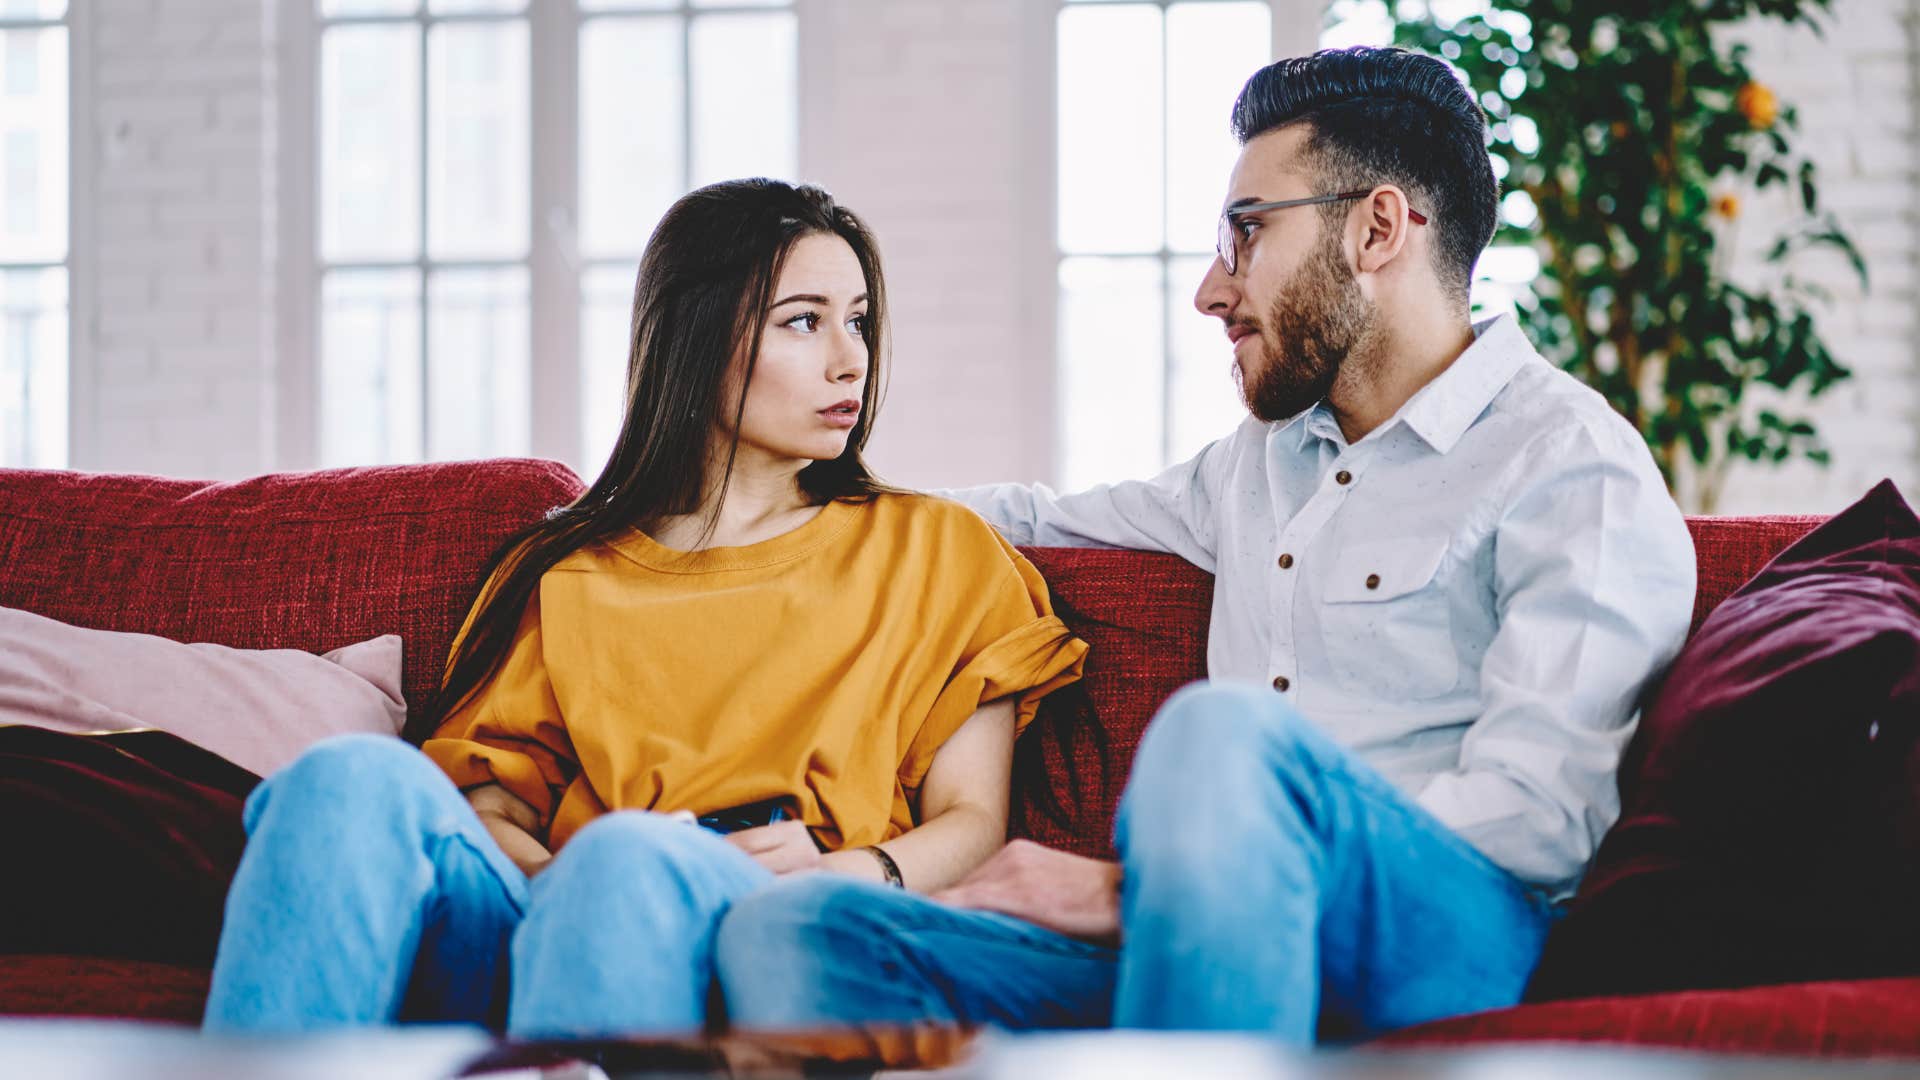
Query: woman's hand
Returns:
{"type": "Point", "coordinates": [510, 821]}
{"type": "Point", "coordinates": [783, 847]}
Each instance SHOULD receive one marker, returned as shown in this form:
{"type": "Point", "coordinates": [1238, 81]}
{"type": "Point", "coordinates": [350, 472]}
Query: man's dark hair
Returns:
{"type": "Point", "coordinates": [1387, 116]}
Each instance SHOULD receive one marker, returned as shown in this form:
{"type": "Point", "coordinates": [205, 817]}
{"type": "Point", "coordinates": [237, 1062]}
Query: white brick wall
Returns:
{"type": "Point", "coordinates": [1856, 96]}
{"type": "Point", "coordinates": [181, 258]}
{"type": "Point", "coordinates": [930, 117]}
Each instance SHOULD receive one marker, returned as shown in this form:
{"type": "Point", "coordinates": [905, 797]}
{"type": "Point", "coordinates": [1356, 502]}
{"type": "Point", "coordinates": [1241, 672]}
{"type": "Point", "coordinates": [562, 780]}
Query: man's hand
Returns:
{"type": "Point", "coordinates": [782, 847]}
{"type": "Point", "coordinates": [1068, 894]}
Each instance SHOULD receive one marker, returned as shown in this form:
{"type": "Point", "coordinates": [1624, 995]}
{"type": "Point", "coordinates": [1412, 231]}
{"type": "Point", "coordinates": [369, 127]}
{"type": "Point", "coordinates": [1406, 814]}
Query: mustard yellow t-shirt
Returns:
{"type": "Point", "coordinates": [826, 665]}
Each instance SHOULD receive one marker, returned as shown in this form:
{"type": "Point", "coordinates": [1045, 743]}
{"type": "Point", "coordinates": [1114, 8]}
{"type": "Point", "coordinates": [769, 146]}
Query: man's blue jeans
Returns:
{"type": "Point", "coordinates": [370, 892]}
{"type": "Point", "coordinates": [1273, 883]}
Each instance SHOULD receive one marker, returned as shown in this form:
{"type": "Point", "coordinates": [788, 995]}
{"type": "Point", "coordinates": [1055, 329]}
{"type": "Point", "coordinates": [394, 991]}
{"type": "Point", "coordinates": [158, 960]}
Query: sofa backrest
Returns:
{"type": "Point", "coordinates": [290, 560]}
{"type": "Point", "coordinates": [318, 560]}
{"type": "Point", "coordinates": [1145, 617]}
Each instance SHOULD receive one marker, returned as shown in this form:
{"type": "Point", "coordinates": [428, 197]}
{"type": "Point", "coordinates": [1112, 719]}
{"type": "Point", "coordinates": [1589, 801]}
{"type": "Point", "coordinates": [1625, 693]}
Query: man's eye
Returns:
{"type": "Point", "coordinates": [1246, 227]}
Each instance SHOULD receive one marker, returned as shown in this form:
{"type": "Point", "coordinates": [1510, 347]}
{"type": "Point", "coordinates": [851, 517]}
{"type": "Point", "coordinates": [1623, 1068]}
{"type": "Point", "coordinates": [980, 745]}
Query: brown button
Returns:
{"type": "Point", "coordinates": [1280, 683]}
{"type": "Point", "coordinates": [1286, 562]}
{"type": "Point", "coordinates": [1343, 477]}
{"type": "Point", "coordinates": [1373, 581]}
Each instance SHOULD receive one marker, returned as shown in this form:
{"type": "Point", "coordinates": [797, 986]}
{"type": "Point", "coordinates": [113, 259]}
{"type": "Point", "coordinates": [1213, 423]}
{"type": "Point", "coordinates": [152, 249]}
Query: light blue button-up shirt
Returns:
{"type": "Point", "coordinates": [1471, 598]}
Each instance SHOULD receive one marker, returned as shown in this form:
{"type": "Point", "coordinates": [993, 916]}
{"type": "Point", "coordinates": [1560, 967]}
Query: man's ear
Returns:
{"type": "Point", "coordinates": [1384, 228]}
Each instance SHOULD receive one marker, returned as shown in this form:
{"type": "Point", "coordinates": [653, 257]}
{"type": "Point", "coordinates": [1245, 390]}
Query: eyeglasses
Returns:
{"type": "Point", "coordinates": [1227, 244]}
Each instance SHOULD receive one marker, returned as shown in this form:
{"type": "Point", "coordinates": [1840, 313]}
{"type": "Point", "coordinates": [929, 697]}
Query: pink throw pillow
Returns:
{"type": "Point", "coordinates": [257, 708]}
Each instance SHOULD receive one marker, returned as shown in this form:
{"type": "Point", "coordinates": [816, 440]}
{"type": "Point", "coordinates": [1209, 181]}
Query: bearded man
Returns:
{"type": "Point", "coordinates": [1445, 573]}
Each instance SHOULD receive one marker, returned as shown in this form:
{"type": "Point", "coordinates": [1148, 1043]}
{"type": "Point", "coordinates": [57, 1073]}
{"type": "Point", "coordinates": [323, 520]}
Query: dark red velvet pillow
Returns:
{"type": "Point", "coordinates": [1770, 826]}
{"type": "Point", "coordinates": [116, 845]}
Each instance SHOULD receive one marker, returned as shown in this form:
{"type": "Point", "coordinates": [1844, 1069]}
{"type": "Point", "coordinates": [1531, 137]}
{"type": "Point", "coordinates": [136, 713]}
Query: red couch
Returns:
{"type": "Point", "coordinates": [318, 560]}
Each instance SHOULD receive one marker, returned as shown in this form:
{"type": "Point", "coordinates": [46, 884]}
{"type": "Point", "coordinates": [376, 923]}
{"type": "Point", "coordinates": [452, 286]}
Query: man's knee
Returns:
{"type": "Point", "coordinates": [1222, 770]}
{"type": "Point", "coordinates": [1216, 745]}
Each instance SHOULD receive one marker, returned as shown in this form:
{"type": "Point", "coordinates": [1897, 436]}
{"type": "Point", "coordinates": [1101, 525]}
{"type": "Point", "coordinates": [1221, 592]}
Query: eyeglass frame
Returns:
{"type": "Point", "coordinates": [1226, 242]}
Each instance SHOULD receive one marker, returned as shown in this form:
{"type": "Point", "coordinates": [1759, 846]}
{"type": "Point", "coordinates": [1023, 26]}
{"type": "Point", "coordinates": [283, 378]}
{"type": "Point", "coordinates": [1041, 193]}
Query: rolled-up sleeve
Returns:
{"type": "Point", "coordinates": [1593, 580]}
{"type": "Point", "coordinates": [511, 732]}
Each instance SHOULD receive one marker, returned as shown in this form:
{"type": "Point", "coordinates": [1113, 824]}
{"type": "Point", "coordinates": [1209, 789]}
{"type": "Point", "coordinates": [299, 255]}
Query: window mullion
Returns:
{"type": "Point", "coordinates": [426, 233]}
{"type": "Point", "coordinates": [553, 223]}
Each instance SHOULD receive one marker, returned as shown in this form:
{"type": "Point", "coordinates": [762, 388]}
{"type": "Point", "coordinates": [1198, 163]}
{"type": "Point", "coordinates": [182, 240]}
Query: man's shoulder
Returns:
{"type": "Point", "coordinates": [1545, 406]}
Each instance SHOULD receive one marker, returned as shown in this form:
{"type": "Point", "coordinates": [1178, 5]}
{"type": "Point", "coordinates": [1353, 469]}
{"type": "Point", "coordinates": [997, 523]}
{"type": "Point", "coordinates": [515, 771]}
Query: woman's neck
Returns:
{"type": "Point", "coordinates": [761, 500]}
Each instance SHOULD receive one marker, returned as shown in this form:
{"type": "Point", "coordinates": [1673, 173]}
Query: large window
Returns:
{"type": "Point", "coordinates": [1145, 92]}
{"type": "Point", "coordinates": [473, 153]}
{"type": "Point", "coordinates": [33, 233]}
{"type": "Point", "coordinates": [1145, 89]}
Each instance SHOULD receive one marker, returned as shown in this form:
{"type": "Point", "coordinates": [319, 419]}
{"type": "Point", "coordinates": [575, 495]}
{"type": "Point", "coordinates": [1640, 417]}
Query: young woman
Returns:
{"type": "Point", "coordinates": [736, 657]}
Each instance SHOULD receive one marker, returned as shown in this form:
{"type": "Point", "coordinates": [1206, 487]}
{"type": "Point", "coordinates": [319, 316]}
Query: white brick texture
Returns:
{"type": "Point", "coordinates": [1855, 92]}
{"type": "Point", "coordinates": [181, 258]}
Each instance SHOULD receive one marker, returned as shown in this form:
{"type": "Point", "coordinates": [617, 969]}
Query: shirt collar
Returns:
{"type": "Point", "coordinates": [1441, 411]}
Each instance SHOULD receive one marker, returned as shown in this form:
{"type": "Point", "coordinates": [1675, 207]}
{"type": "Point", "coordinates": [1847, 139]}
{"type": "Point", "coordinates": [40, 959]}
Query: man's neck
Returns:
{"type": "Point", "coordinates": [1383, 373]}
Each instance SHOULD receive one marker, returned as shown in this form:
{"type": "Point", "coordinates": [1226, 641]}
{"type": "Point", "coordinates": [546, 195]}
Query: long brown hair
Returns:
{"type": "Point", "coordinates": [706, 282]}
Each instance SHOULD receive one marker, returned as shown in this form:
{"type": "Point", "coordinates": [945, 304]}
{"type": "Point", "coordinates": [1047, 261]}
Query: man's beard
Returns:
{"type": "Point", "coordinates": [1317, 319]}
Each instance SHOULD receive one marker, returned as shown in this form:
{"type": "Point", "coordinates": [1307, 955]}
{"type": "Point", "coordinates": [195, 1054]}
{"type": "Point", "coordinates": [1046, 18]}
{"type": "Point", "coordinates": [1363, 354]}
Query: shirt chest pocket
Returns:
{"type": "Point", "coordinates": [1384, 619]}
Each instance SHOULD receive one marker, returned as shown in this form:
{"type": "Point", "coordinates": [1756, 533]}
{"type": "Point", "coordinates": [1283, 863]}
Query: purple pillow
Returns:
{"type": "Point", "coordinates": [1770, 810]}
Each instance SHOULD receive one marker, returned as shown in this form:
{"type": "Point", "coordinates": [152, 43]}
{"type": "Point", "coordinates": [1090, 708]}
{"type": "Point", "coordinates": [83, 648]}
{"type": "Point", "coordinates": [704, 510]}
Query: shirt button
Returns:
{"type": "Point", "coordinates": [1286, 562]}
{"type": "Point", "coordinates": [1280, 683]}
{"type": "Point", "coordinates": [1343, 477]}
{"type": "Point", "coordinates": [1373, 581]}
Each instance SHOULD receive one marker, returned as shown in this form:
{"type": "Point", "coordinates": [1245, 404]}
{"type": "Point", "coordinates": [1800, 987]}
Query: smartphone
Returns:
{"type": "Point", "coordinates": [750, 816]}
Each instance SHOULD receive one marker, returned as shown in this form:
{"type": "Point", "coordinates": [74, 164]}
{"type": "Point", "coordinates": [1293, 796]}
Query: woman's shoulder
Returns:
{"type": "Point", "coordinates": [951, 526]}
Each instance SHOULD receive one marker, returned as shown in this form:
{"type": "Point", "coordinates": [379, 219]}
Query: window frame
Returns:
{"type": "Point", "coordinates": [1294, 30]}
{"type": "Point", "coordinates": [81, 433]}
{"type": "Point", "coordinates": [553, 260]}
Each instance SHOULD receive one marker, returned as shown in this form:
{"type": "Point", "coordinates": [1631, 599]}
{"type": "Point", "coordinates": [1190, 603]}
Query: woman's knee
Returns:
{"type": "Point", "coordinates": [774, 926]}
{"type": "Point", "coordinates": [801, 932]}
{"type": "Point", "coordinates": [631, 853]}
{"type": "Point", "coordinates": [352, 775]}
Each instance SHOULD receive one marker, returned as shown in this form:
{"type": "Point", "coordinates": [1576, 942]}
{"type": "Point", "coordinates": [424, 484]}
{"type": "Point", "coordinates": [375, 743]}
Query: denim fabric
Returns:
{"type": "Point", "coordinates": [370, 892]}
{"type": "Point", "coordinates": [1273, 882]}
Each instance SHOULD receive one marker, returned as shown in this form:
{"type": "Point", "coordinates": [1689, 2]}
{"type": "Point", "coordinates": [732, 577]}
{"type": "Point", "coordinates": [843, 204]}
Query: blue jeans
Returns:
{"type": "Point", "coordinates": [370, 892]}
{"type": "Point", "coordinates": [1273, 883]}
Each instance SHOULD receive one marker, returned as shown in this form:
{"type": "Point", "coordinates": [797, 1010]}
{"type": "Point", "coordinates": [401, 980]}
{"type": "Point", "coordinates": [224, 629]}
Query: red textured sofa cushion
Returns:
{"type": "Point", "coordinates": [1873, 1017]}
{"type": "Point", "coordinates": [1145, 618]}
{"type": "Point", "coordinates": [307, 561]}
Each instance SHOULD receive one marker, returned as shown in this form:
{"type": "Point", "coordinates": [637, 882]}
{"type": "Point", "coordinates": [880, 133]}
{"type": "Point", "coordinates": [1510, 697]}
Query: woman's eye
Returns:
{"type": "Point", "coordinates": [858, 324]}
{"type": "Point", "coordinates": [807, 322]}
